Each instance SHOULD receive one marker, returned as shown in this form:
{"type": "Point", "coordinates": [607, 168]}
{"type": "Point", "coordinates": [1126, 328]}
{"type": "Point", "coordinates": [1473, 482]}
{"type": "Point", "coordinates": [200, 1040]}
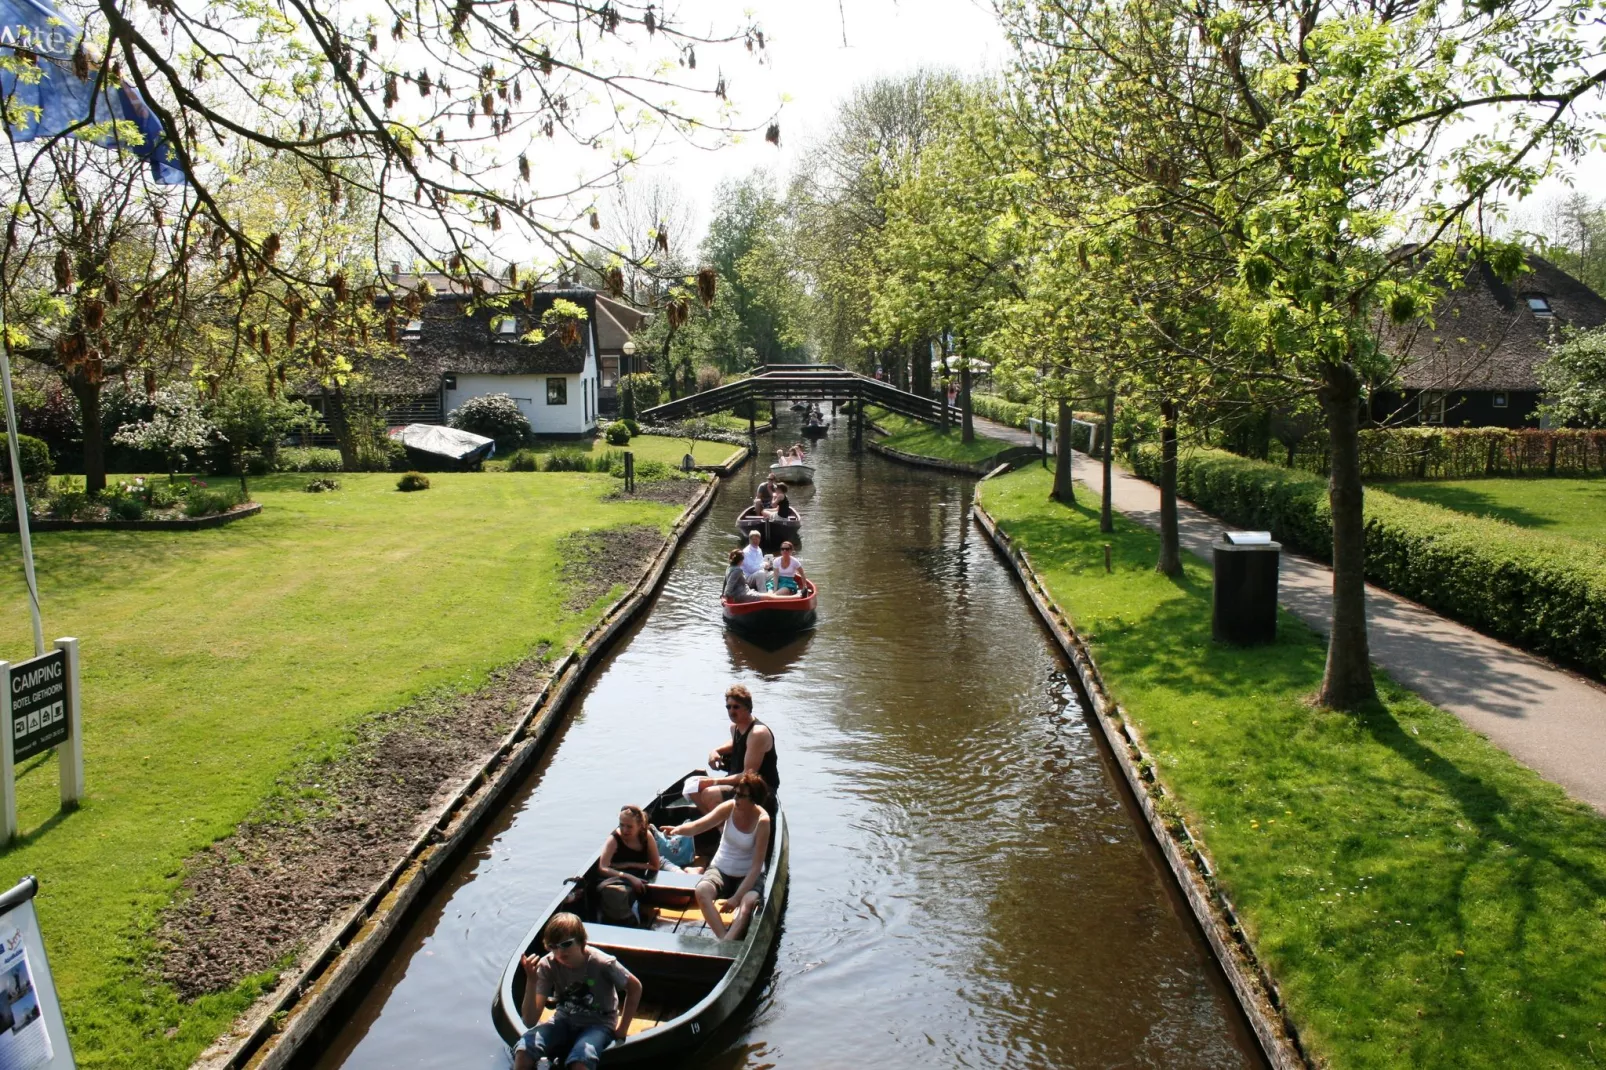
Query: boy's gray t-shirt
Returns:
{"type": "Point", "coordinates": [587, 994]}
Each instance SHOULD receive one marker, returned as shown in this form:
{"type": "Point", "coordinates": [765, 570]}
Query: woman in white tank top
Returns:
{"type": "Point", "coordinates": [744, 843]}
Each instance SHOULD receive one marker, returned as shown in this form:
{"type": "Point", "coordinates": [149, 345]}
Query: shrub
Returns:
{"type": "Point", "coordinates": [632, 426]}
{"type": "Point", "coordinates": [618, 434]}
{"type": "Point", "coordinates": [8, 509]}
{"type": "Point", "coordinates": [35, 456]}
{"type": "Point", "coordinates": [413, 481]}
{"type": "Point", "coordinates": [524, 461]}
{"type": "Point", "coordinates": [708, 377]}
{"type": "Point", "coordinates": [1540, 592]}
{"type": "Point", "coordinates": [207, 501]}
{"type": "Point", "coordinates": [1465, 452]}
{"type": "Point", "coordinates": [127, 508]}
{"type": "Point", "coordinates": [318, 486]}
{"type": "Point", "coordinates": [646, 471]}
{"type": "Point", "coordinates": [383, 454]}
{"type": "Point", "coordinates": [579, 461]}
{"type": "Point", "coordinates": [494, 416]}
{"type": "Point", "coordinates": [309, 460]}
{"type": "Point", "coordinates": [643, 388]}
{"type": "Point", "coordinates": [993, 407]}
{"type": "Point", "coordinates": [255, 464]}
{"type": "Point", "coordinates": [70, 504]}
{"type": "Point", "coordinates": [161, 495]}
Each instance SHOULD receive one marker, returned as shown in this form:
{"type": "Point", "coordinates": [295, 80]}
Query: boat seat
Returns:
{"type": "Point", "coordinates": [613, 938]}
{"type": "Point", "coordinates": [648, 1016]}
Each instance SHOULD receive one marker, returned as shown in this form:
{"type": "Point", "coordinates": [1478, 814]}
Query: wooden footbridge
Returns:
{"type": "Point", "coordinates": [806, 382]}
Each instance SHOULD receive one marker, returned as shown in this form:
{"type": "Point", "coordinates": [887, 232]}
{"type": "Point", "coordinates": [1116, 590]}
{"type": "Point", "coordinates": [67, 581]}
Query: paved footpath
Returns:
{"type": "Point", "coordinates": [1551, 720]}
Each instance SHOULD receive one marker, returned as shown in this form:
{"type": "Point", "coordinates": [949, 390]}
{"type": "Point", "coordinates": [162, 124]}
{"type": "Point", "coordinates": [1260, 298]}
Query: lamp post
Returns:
{"type": "Point", "coordinates": [627, 401]}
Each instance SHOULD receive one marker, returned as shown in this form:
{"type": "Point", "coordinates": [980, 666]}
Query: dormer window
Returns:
{"type": "Point", "coordinates": [413, 329]}
{"type": "Point", "coordinates": [1539, 305]}
{"type": "Point", "coordinates": [506, 326]}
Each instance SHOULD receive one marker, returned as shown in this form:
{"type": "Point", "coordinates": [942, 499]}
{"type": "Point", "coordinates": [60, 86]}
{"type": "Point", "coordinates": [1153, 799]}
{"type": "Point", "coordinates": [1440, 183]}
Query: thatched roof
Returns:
{"type": "Point", "coordinates": [1485, 335]}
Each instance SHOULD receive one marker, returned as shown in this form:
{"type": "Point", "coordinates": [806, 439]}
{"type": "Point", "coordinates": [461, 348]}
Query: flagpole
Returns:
{"type": "Point", "coordinates": [17, 489]}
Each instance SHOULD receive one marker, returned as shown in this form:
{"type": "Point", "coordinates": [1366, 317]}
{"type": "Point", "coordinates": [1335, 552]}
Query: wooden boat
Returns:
{"type": "Point", "coordinates": [814, 430]}
{"type": "Point", "coordinates": [691, 982]}
{"type": "Point", "coordinates": [797, 472]}
{"type": "Point", "coordinates": [773, 616]}
{"type": "Point", "coordinates": [772, 532]}
{"type": "Point", "coordinates": [798, 406]}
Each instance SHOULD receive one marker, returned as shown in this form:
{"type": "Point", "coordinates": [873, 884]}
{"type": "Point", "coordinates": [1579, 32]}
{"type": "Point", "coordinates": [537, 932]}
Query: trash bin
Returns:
{"type": "Point", "coordinates": [1245, 587]}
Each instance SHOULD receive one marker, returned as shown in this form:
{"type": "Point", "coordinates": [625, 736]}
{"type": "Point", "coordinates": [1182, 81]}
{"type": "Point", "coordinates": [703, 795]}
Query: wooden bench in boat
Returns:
{"type": "Point", "coordinates": [612, 938]}
{"type": "Point", "coordinates": [648, 1016]}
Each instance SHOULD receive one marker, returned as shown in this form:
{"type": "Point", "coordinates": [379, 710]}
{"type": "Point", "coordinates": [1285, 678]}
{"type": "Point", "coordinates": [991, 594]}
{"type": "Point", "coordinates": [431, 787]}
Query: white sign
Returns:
{"type": "Point", "coordinates": [32, 1034]}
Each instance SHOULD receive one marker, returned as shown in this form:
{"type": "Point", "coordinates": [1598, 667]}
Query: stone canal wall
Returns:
{"type": "Point", "coordinates": [1254, 988]}
{"type": "Point", "coordinates": [275, 1031]}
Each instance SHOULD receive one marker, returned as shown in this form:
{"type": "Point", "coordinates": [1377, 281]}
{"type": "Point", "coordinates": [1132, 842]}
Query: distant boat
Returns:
{"type": "Point", "coordinates": [691, 982]}
{"type": "Point", "coordinates": [772, 532]}
{"type": "Point", "coordinates": [815, 430]}
{"type": "Point", "coordinates": [773, 616]}
{"type": "Point", "coordinates": [797, 472]}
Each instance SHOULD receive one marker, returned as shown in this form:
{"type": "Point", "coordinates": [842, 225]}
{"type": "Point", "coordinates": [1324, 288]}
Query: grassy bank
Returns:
{"type": "Point", "coordinates": [216, 661]}
{"type": "Point", "coordinates": [646, 448]}
{"type": "Point", "coordinates": [1421, 899]}
{"type": "Point", "coordinates": [927, 440]}
{"type": "Point", "coordinates": [1575, 508]}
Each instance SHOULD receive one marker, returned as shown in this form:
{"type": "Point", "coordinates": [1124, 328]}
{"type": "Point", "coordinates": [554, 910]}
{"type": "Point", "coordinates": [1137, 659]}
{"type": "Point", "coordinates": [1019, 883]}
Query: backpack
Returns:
{"type": "Point", "coordinates": [616, 903]}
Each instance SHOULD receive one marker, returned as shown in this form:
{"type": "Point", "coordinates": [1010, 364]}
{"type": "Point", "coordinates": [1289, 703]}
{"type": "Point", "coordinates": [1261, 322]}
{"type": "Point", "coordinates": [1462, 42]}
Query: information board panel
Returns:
{"type": "Point", "coordinates": [38, 704]}
{"type": "Point", "coordinates": [32, 1034]}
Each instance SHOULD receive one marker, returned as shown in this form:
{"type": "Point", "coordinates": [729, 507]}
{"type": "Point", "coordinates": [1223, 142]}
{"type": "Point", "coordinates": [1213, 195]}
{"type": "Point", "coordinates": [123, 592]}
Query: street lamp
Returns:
{"type": "Point", "coordinates": [627, 401]}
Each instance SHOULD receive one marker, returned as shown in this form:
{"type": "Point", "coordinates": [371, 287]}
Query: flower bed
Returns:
{"type": "Point", "coordinates": [134, 503]}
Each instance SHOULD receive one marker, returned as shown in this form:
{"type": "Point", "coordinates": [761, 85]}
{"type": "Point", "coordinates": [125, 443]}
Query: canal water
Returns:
{"type": "Point", "coordinates": [969, 886]}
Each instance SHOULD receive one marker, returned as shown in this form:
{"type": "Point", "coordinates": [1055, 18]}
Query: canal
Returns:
{"type": "Point", "coordinates": [969, 886]}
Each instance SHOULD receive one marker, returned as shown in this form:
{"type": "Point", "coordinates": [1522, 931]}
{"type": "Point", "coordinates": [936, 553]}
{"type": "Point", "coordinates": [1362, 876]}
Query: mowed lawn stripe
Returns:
{"type": "Point", "coordinates": [1575, 508]}
{"type": "Point", "coordinates": [216, 661]}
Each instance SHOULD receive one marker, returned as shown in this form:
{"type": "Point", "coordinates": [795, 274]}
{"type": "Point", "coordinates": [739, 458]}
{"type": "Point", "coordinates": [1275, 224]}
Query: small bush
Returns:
{"type": "Point", "coordinates": [127, 508]}
{"type": "Point", "coordinates": [309, 460]}
{"type": "Point", "coordinates": [69, 504]}
{"type": "Point", "coordinates": [163, 495]}
{"type": "Point", "coordinates": [708, 377]}
{"type": "Point", "coordinates": [255, 464]}
{"type": "Point", "coordinates": [618, 434]}
{"type": "Point", "coordinates": [412, 481]}
{"type": "Point", "coordinates": [524, 461]}
{"type": "Point", "coordinates": [8, 509]}
{"type": "Point", "coordinates": [35, 455]}
{"type": "Point", "coordinates": [646, 471]}
{"type": "Point", "coordinates": [643, 388]}
{"type": "Point", "coordinates": [579, 461]}
{"type": "Point", "coordinates": [205, 501]}
{"type": "Point", "coordinates": [632, 426]}
{"type": "Point", "coordinates": [495, 416]}
{"type": "Point", "coordinates": [318, 486]}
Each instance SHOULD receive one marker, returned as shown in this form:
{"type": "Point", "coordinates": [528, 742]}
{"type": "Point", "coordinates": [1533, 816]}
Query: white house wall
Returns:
{"type": "Point", "coordinates": [529, 392]}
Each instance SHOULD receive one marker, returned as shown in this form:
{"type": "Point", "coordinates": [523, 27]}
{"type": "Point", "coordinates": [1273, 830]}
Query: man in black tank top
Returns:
{"type": "Point", "coordinates": [750, 750]}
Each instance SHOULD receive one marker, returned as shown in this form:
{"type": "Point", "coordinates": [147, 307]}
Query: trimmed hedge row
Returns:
{"type": "Point", "coordinates": [1537, 591]}
{"type": "Point", "coordinates": [1466, 452]}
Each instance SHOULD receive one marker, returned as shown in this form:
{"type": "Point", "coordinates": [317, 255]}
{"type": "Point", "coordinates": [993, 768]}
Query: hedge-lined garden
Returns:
{"type": "Point", "coordinates": [1465, 453]}
{"type": "Point", "coordinates": [1543, 593]}
{"type": "Point", "coordinates": [1015, 414]}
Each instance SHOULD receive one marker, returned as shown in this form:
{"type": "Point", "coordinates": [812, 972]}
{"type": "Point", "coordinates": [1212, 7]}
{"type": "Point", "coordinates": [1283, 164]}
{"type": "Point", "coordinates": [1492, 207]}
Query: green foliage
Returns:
{"type": "Point", "coordinates": [524, 461]}
{"type": "Point", "coordinates": [127, 507]}
{"type": "Point", "coordinates": [412, 481]}
{"type": "Point", "coordinates": [644, 388]}
{"type": "Point", "coordinates": [496, 416]}
{"type": "Point", "coordinates": [252, 421]}
{"type": "Point", "coordinates": [71, 505]}
{"type": "Point", "coordinates": [646, 471]}
{"type": "Point", "coordinates": [209, 501]}
{"type": "Point", "coordinates": [631, 426]}
{"type": "Point", "coordinates": [1575, 508]}
{"type": "Point", "coordinates": [36, 464]}
{"type": "Point", "coordinates": [1002, 410]}
{"type": "Point", "coordinates": [308, 460]}
{"type": "Point", "coordinates": [618, 433]}
{"type": "Point", "coordinates": [1462, 452]}
{"type": "Point", "coordinates": [1540, 592]}
{"type": "Point", "coordinates": [580, 461]}
{"type": "Point", "coordinates": [320, 486]}
{"type": "Point", "coordinates": [1574, 378]}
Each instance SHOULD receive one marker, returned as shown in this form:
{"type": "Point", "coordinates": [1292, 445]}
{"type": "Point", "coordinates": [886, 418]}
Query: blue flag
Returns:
{"type": "Point", "coordinates": [33, 32]}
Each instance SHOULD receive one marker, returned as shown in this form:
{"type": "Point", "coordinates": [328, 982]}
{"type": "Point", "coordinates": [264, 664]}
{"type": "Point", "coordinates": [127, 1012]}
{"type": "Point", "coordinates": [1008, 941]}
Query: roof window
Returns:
{"type": "Point", "coordinates": [1539, 305]}
{"type": "Point", "coordinates": [413, 329]}
{"type": "Point", "coordinates": [506, 326]}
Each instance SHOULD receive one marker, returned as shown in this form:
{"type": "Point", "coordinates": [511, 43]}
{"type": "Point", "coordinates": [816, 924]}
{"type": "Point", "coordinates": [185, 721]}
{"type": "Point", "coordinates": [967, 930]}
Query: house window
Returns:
{"type": "Point", "coordinates": [1539, 305]}
{"type": "Point", "coordinates": [449, 381]}
{"type": "Point", "coordinates": [610, 372]}
{"type": "Point", "coordinates": [1432, 407]}
{"type": "Point", "coordinates": [413, 329]}
{"type": "Point", "coordinates": [557, 391]}
{"type": "Point", "coordinates": [1499, 400]}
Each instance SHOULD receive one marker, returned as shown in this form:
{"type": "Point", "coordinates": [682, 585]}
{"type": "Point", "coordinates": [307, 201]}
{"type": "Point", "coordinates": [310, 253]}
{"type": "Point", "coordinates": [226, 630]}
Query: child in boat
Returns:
{"type": "Point", "coordinates": [631, 851]}
{"type": "Point", "coordinates": [583, 985]}
{"type": "Point", "coordinates": [732, 877]}
{"type": "Point", "coordinates": [788, 572]}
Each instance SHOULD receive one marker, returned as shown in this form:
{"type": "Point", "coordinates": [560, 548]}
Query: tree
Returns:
{"type": "Point", "coordinates": [1574, 378]}
{"type": "Point", "coordinates": [177, 427]}
{"type": "Point", "coordinates": [249, 420]}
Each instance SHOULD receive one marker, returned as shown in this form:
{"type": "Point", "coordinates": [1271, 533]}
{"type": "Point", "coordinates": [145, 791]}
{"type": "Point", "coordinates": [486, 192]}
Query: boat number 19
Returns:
{"type": "Point", "coordinates": [696, 1027]}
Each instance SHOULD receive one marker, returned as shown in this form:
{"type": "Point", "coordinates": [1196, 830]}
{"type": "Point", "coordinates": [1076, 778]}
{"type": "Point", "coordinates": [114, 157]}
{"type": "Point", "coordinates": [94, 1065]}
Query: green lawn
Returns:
{"type": "Point", "coordinates": [1421, 898]}
{"type": "Point", "coordinates": [646, 448]}
{"type": "Point", "coordinates": [215, 661]}
{"type": "Point", "coordinates": [928, 440]}
{"type": "Point", "coordinates": [1572, 507]}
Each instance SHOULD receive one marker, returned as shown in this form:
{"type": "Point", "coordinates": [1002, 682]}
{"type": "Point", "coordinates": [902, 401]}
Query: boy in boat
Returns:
{"type": "Point", "coordinates": [751, 750]}
{"type": "Point", "coordinates": [583, 985]}
{"type": "Point", "coordinates": [732, 877]}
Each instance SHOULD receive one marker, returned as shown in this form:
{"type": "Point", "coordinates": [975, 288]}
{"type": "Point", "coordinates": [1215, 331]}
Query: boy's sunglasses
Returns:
{"type": "Point", "coordinates": [564, 945]}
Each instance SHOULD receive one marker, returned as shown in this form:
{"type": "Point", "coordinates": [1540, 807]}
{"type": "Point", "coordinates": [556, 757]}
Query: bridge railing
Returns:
{"type": "Point", "coordinates": [785, 382]}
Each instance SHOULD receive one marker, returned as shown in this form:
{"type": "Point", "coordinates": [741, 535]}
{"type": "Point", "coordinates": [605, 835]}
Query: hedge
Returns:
{"type": "Point", "coordinates": [35, 458]}
{"type": "Point", "coordinates": [1466, 452]}
{"type": "Point", "coordinates": [1541, 592]}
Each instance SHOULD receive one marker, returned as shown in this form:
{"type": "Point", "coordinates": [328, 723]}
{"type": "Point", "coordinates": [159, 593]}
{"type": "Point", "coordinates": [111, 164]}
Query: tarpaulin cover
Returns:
{"type": "Point", "coordinates": [38, 35]}
{"type": "Point", "coordinates": [445, 441]}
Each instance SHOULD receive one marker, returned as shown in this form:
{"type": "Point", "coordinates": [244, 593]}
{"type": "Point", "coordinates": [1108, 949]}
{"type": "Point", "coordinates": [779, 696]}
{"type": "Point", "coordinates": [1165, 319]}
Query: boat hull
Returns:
{"type": "Point", "coordinates": [793, 473]}
{"type": "Point", "coordinates": [695, 1024]}
{"type": "Point", "coordinates": [814, 430]}
{"type": "Point", "coordinates": [773, 616]}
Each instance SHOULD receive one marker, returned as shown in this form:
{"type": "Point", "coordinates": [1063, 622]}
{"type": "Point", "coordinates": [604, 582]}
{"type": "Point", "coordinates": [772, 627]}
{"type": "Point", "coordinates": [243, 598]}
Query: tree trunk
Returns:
{"type": "Point", "coordinates": [1064, 490]}
{"type": "Point", "coordinates": [1106, 517]}
{"type": "Point", "coordinates": [334, 417]}
{"type": "Point", "coordinates": [920, 368]}
{"type": "Point", "coordinates": [967, 419]}
{"type": "Point", "coordinates": [1347, 682]}
{"type": "Point", "coordinates": [1170, 561]}
{"type": "Point", "coordinates": [88, 397]}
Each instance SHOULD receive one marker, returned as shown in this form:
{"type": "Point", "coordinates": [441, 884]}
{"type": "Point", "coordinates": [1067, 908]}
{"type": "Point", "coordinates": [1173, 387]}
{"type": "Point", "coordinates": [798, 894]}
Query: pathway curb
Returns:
{"type": "Point", "coordinates": [1254, 988]}
{"type": "Point", "coordinates": [274, 1031]}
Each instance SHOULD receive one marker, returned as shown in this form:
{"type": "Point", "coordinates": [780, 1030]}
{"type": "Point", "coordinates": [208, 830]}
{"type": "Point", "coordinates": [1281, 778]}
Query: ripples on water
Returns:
{"type": "Point", "coordinates": [967, 886]}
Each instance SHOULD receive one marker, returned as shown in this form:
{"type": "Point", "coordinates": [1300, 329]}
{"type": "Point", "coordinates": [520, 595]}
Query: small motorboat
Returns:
{"type": "Point", "coordinates": [815, 429]}
{"type": "Point", "coordinates": [798, 406]}
{"type": "Point", "coordinates": [691, 982]}
{"type": "Point", "coordinates": [795, 472]}
{"type": "Point", "coordinates": [772, 532]}
{"type": "Point", "coordinates": [773, 616]}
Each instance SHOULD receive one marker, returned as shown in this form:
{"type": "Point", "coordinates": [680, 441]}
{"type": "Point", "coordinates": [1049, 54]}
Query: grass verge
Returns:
{"type": "Point", "coordinates": [217, 661]}
{"type": "Point", "coordinates": [1421, 898]}
{"type": "Point", "coordinates": [925, 440]}
{"type": "Point", "coordinates": [1575, 508]}
{"type": "Point", "coordinates": [646, 448]}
